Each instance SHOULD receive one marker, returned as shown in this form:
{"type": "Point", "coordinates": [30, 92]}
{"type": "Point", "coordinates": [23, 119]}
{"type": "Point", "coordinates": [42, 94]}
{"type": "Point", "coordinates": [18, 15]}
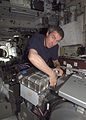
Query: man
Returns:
{"type": "Point", "coordinates": [41, 48]}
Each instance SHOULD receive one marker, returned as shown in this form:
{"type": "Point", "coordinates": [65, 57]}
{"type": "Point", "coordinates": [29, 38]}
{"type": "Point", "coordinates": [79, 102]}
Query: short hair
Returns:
{"type": "Point", "coordinates": [56, 28]}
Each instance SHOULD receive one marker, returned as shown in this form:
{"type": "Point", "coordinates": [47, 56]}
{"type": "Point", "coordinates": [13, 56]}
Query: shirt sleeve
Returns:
{"type": "Point", "coordinates": [34, 42]}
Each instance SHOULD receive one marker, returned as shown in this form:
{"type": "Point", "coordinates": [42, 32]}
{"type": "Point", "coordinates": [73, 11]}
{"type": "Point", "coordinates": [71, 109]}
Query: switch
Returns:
{"type": "Point", "coordinates": [64, 63]}
{"type": "Point", "coordinates": [75, 64]}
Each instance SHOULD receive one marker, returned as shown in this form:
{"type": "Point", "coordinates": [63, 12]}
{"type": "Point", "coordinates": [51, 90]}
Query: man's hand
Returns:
{"type": "Point", "coordinates": [53, 79]}
{"type": "Point", "coordinates": [58, 71]}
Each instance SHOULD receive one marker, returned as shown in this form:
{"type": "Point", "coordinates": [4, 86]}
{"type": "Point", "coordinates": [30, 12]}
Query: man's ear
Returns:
{"type": "Point", "coordinates": [47, 33]}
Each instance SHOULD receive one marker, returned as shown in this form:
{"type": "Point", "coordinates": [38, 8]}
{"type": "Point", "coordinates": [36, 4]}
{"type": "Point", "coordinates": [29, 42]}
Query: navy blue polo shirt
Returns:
{"type": "Point", "coordinates": [37, 42]}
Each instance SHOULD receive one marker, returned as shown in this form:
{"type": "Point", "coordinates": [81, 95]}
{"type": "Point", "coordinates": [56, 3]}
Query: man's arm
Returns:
{"type": "Point", "coordinates": [39, 63]}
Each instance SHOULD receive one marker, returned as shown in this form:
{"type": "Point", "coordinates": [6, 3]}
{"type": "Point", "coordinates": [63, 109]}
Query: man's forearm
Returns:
{"type": "Point", "coordinates": [38, 62]}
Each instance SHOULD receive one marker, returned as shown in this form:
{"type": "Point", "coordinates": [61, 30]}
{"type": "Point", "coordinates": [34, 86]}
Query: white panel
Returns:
{"type": "Point", "coordinates": [72, 34]}
{"type": "Point", "coordinates": [81, 21]}
{"type": "Point", "coordinates": [29, 95]}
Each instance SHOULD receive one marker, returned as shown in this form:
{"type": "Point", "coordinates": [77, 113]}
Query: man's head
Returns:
{"type": "Point", "coordinates": [53, 36]}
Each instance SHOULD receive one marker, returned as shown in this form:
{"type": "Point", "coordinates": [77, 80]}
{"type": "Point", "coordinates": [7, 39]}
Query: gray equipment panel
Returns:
{"type": "Point", "coordinates": [26, 114]}
{"type": "Point", "coordinates": [66, 111]}
{"type": "Point", "coordinates": [74, 90]}
{"type": "Point", "coordinates": [5, 110]}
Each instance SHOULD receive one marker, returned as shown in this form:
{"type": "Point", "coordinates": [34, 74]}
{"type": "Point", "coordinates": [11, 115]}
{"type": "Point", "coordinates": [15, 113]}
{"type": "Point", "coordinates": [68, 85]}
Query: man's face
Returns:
{"type": "Point", "coordinates": [52, 39]}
